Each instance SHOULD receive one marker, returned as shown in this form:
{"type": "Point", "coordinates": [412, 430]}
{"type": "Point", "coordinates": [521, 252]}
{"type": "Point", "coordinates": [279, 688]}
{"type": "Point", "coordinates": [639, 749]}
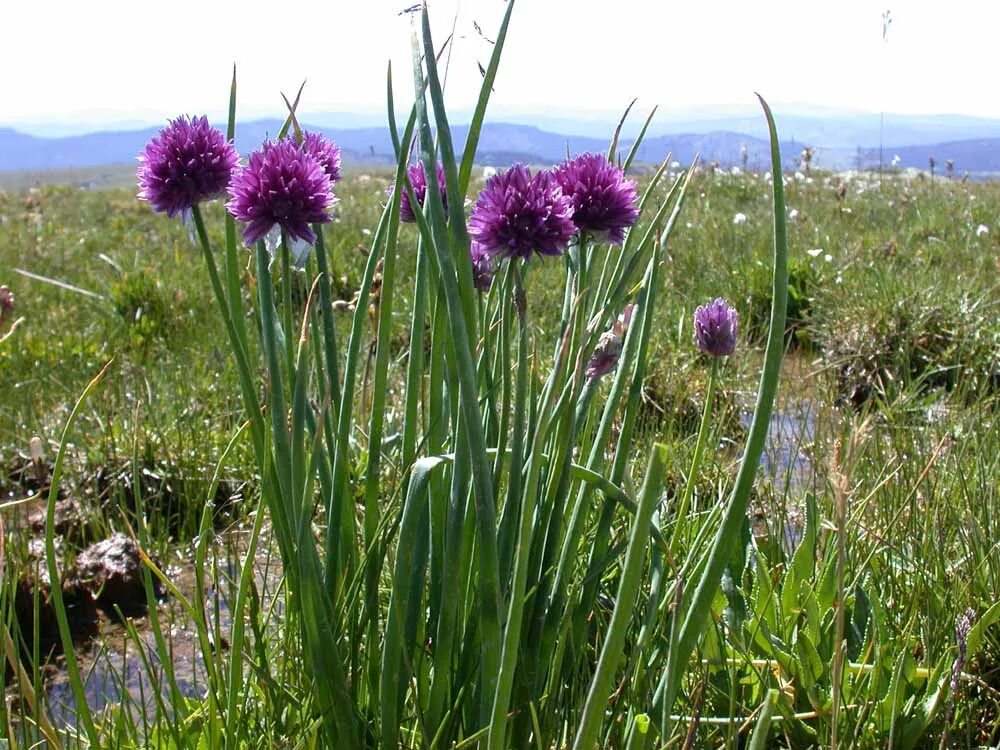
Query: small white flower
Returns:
{"type": "Point", "coordinates": [675, 164]}
{"type": "Point", "coordinates": [981, 230]}
{"type": "Point", "coordinates": [740, 219]}
{"type": "Point", "coordinates": [799, 176]}
{"type": "Point", "coordinates": [489, 172]}
{"type": "Point", "coordinates": [896, 160]}
{"type": "Point", "coordinates": [735, 171]}
{"type": "Point", "coordinates": [815, 252]}
{"type": "Point", "coordinates": [793, 214]}
{"type": "Point", "coordinates": [828, 258]}
{"type": "Point", "coordinates": [366, 232]}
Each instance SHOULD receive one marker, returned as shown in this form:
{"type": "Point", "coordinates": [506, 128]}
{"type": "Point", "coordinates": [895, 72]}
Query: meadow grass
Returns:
{"type": "Point", "coordinates": [842, 599]}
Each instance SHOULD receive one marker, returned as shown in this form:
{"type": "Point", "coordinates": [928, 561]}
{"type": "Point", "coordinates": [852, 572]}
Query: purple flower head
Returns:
{"type": "Point", "coordinates": [715, 327]}
{"type": "Point", "coordinates": [483, 267]}
{"type": "Point", "coordinates": [517, 214]}
{"type": "Point", "coordinates": [281, 185]}
{"type": "Point", "coordinates": [188, 162]}
{"type": "Point", "coordinates": [418, 180]}
{"type": "Point", "coordinates": [325, 151]}
{"type": "Point", "coordinates": [603, 200]}
{"type": "Point", "coordinates": [6, 303]}
{"type": "Point", "coordinates": [609, 346]}
{"type": "Point", "coordinates": [963, 626]}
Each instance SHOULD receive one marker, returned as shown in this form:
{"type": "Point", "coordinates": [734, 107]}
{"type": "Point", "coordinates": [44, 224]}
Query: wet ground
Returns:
{"type": "Point", "coordinates": [121, 670]}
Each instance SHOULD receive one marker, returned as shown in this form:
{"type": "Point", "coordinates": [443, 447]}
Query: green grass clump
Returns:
{"type": "Point", "coordinates": [393, 513]}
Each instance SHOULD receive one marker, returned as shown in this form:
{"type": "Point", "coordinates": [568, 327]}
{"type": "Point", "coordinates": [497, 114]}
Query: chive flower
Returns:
{"type": "Point", "coordinates": [281, 186]}
{"type": "Point", "coordinates": [483, 267]}
{"type": "Point", "coordinates": [715, 328]}
{"type": "Point", "coordinates": [518, 213]}
{"type": "Point", "coordinates": [609, 346]}
{"type": "Point", "coordinates": [604, 202]}
{"type": "Point", "coordinates": [323, 150]}
{"type": "Point", "coordinates": [188, 162]}
{"type": "Point", "coordinates": [6, 303]}
{"type": "Point", "coordinates": [418, 181]}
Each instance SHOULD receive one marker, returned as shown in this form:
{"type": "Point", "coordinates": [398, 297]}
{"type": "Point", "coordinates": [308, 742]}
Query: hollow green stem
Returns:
{"type": "Point", "coordinates": [699, 448]}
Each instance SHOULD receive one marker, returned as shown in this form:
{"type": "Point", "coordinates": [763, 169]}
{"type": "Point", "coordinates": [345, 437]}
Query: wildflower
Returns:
{"type": "Point", "coordinates": [483, 267]}
{"type": "Point", "coordinates": [325, 151]}
{"type": "Point", "coordinates": [609, 346]}
{"type": "Point", "coordinates": [418, 181]}
{"type": "Point", "coordinates": [981, 230]}
{"type": "Point", "coordinates": [282, 187]}
{"type": "Point", "coordinates": [188, 162]}
{"type": "Point", "coordinates": [963, 626]}
{"type": "Point", "coordinates": [518, 213]}
{"type": "Point", "coordinates": [715, 327]}
{"type": "Point", "coordinates": [739, 219]}
{"type": "Point", "coordinates": [6, 303]}
{"type": "Point", "coordinates": [603, 200]}
{"type": "Point", "coordinates": [793, 214]}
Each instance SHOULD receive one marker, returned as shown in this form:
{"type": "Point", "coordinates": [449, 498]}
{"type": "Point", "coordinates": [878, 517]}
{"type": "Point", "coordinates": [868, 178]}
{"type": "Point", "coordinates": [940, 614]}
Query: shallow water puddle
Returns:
{"type": "Point", "coordinates": [123, 672]}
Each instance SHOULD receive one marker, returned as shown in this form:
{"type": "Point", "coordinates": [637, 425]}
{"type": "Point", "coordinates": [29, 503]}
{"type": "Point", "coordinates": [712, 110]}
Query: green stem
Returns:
{"type": "Point", "coordinates": [701, 603]}
{"type": "Point", "coordinates": [628, 589]}
{"type": "Point", "coordinates": [703, 430]}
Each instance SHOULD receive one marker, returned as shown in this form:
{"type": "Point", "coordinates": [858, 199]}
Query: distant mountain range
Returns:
{"type": "Point", "coordinates": [841, 142]}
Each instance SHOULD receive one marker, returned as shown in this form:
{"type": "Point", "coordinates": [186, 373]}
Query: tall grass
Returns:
{"type": "Point", "coordinates": [481, 546]}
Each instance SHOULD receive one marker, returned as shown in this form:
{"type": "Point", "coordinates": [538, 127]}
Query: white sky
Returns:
{"type": "Point", "coordinates": [131, 60]}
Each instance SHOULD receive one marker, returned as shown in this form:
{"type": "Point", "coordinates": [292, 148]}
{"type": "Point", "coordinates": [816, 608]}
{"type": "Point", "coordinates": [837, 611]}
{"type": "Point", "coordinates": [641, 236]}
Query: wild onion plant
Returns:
{"type": "Point", "coordinates": [446, 582]}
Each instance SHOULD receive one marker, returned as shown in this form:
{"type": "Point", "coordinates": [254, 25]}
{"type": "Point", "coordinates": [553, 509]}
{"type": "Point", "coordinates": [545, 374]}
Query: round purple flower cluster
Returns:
{"type": "Point", "coordinates": [518, 214]}
{"type": "Point", "coordinates": [325, 151]}
{"type": "Point", "coordinates": [715, 328]}
{"type": "Point", "coordinates": [188, 162]}
{"type": "Point", "coordinates": [603, 200]}
{"type": "Point", "coordinates": [418, 181]}
{"type": "Point", "coordinates": [282, 185]}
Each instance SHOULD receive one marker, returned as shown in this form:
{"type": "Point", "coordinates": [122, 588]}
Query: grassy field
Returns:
{"type": "Point", "coordinates": [888, 399]}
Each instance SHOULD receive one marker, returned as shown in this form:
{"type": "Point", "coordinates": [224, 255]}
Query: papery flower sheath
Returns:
{"type": "Point", "coordinates": [609, 346]}
{"type": "Point", "coordinates": [483, 267]}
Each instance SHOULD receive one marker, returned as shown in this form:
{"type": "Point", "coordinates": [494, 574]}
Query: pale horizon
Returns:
{"type": "Point", "coordinates": [560, 59]}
